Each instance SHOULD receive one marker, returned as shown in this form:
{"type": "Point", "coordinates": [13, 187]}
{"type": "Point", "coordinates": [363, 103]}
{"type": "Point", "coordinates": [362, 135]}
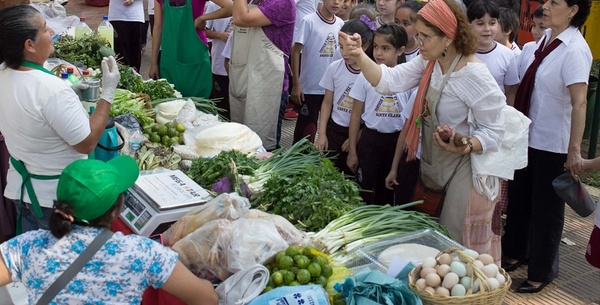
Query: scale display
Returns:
{"type": "Point", "coordinates": [160, 198]}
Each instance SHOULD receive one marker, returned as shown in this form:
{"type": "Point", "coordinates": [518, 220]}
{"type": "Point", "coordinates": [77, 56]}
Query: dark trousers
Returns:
{"type": "Point", "coordinates": [308, 115]}
{"type": "Point", "coordinates": [406, 176]}
{"type": "Point", "coordinates": [336, 136]}
{"type": "Point", "coordinates": [535, 215]}
{"type": "Point", "coordinates": [375, 154]}
{"type": "Point", "coordinates": [220, 91]}
{"type": "Point", "coordinates": [8, 210]}
{"type": "Point", "coordinates": [127, 42]}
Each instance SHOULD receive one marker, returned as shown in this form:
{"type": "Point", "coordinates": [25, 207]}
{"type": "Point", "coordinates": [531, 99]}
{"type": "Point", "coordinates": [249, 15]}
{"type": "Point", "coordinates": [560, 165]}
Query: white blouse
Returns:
{"type": "Point", "coordinates": [470, 87]}
{"type": "Point", "coordinates": [550, 110]}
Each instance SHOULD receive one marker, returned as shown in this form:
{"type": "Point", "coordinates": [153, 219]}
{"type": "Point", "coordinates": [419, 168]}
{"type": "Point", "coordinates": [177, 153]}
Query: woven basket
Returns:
{"type": "Point", "coordinates": [485, 296]}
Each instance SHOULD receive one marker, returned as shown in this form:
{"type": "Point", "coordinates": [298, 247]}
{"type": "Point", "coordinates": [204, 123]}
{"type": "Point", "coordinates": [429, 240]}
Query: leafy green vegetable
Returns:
{"type": "Point", "coordinates": [158, 89]}
{"type": "Point", "coordinates": [87, 50]}
{"type": "Point", "coordinates": [206, 171]}
{"type": "Point", "coordinates": [310, 200]}
{"type": "Point", "coordinates": [130, 80]}
{"type": "Point", "coordinates": [128, 102]}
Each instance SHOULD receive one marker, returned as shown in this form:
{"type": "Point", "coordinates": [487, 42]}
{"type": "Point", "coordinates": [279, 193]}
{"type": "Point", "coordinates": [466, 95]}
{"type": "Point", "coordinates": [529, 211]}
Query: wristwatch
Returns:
{"type": "Point", "coordinates": [470, 144]}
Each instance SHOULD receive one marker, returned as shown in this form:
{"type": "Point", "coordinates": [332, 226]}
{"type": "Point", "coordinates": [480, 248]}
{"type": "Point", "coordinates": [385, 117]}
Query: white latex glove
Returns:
{"type": "Point", "coordinates": [110, 78]}
{"type": "Point", "coordinates": [79, 87]}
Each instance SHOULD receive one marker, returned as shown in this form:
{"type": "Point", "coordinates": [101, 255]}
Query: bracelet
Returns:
{"type": "Point", "coordinates": [470, 144]}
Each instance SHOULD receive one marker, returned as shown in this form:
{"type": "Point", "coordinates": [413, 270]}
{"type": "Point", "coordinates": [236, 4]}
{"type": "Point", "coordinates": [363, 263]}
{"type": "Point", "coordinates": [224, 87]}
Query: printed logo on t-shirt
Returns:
{"type": "Point", "coordinates": [228, 28]}
{"type": "Point", "coordinates": [344, 103]}
{"type": "Point", "coordinates": [329, 46]}
{"type": "Point", "coordinates": [388, 106]}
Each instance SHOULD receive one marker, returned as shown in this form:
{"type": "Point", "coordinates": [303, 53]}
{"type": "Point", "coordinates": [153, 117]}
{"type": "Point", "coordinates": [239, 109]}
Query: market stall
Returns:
{"type": "Point", "coordinates": [266, 226]}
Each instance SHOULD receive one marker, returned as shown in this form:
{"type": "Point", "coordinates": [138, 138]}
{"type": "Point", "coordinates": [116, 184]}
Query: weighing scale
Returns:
{"type": "Point", "coordinates": [157, 200]}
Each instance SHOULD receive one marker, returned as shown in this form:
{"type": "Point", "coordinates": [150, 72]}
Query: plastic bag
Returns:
{"type": "Point", "coordinates": [256, 240]}
{"type": "Point", "coordinates": [56, 17]}
{"type": "Point", "coordinates": [286, 229]}
{"type": "Point", "coordinates": [225, 206]}
{"type": "Point", "coordinates": [308, 294]}
{"type": "Point", "coordinates": [204, 250]}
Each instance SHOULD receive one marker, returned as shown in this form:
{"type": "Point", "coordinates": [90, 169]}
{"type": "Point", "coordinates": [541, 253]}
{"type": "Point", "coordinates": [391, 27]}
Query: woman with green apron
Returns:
{"type": "Point", "coordinates": [179, 51]}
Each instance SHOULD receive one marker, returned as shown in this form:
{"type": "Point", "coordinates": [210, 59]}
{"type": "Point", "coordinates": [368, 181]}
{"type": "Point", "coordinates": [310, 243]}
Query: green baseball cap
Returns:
{"type": "Point", "coordinates": [91, 187]}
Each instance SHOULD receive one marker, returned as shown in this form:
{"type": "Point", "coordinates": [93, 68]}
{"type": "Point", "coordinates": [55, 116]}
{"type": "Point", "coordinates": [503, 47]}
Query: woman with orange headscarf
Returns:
{"type": "Point", "coordinates": [447, 44]}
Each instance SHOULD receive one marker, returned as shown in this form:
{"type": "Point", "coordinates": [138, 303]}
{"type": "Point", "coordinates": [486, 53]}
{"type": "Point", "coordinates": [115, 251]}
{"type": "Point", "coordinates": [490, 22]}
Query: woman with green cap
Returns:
{"type": "Point", "coordinates": [89, 198]}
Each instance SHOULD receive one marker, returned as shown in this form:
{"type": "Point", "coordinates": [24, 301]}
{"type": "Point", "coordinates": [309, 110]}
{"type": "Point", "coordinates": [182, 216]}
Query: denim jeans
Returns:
{"type": "Point", "coordinates": [30, 222]}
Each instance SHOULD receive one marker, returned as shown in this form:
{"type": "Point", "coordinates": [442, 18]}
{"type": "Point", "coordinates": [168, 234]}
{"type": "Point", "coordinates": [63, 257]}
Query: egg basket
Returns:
{"type": "Point", "coordinates": [485, 296]}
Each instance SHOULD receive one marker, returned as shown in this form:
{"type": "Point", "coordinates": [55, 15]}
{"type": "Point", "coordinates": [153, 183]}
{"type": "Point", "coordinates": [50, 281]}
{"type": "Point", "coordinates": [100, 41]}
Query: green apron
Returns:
{"type": "Point", "coordinates": [184, 58]}
{"type": "Point", "coordinates": [26, 177]}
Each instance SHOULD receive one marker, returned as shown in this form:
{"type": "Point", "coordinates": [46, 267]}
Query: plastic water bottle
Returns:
{"type": "Point", "coordinates": [82, 28]}
{"type": "Point", "coordinates": [106, 31]}
{"type": "Point", "coordinates": [135, 139]}
{"type": "Point", "coordinates": [72, 77]}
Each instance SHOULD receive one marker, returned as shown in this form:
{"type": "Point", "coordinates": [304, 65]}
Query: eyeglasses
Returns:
{"type": "Point", "coordinates": [422, 38]}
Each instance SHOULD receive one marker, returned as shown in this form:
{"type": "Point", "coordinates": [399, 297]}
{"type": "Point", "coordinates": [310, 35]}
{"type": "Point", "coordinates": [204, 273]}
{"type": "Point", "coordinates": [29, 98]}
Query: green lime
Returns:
{"type": "Point", "coordinates": [288, 277]}
{"type": "Point", "coordinates": [310, 251]}
{"type": "Point", "coordinates": [303, 276]}
{"type": "Point", "coordinates": [155, 138]}
{"type": "Point", "coordinates": [172, 132]}
{"type": "Point", "coordinates": [162, 130]}
{"type": "Point", "coordinates": [286, 262]}
{"type": "Point", "coordinates": [294, 283]}
{"type": "Point", "coordinates": [169, 124]}
{"type": "Point", "coordinates": [180, 127]}
{"type": "Point", "coordinates": [321, 280]}
{"type": "Point", "coordinates": [293, 250]}
{"type": "Point", "coordinates": [180, 139]}
{"type": "Point", "coordinates": [320, 260]}
{"type": "Point", "coordinates": [155, 127]}
{"type": "Point", "coordinates": [314, 269]}
{"type": "Point", "coordinates": [267, 289]}
{"type": "Point", "coordinates": [294, 270]}
{"type": "Point", "coordinates": [302, 262]}
{"type": "Point", "coordinates": [165, 140]}
{"type": "Point", "coordinates": [277, 278]}
{"type": "Point", "coordinates": [326, 271]}
{"type": "Point", "coordinates": [173, 141]}
{"type": "Point", "coordinates": [279, 256]}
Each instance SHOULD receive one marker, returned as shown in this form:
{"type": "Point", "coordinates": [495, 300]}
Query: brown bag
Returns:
{"type": "Point", "coordinates": [432, 194]}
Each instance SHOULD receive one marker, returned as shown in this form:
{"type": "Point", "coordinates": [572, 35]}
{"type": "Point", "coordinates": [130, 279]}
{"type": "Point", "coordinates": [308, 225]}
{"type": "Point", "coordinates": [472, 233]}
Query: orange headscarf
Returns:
{"type": "Point", "coordinates": [438, 13]}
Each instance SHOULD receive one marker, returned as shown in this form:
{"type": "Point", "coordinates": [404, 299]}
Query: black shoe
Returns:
{"type": "Point", "coordinates": [526, 287]}
{"type": "Point", "coordinates": [508, 267]}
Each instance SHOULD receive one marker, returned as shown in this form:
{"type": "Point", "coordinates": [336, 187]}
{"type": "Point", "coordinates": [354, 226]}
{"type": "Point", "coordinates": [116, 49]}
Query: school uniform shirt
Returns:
{"type": "Point", "coordinates": [303, 8]}
{"type": "Point", "coordinates": [515, 48]}
{"type": "Point", "coordinates": [218, 25]}
{"type": "Point", "coordinates": [117, 274]}
{"type": "Point", "coordinates": [412, 54]}
{"type": "Point", "coordinates": [385, 113]}
{"type": "Point", "coordinates": [118, 11]}
{"type": "Point", "coordinates": [41, 119]}
{"type": "Point", "coordinates": [339, 79]}
{"type": "Point", "coordinates": [502, 64]}
{"type": "Point", "coordinates": [550, 110]}
{"type": "Point", "coordinates": [319, 38]}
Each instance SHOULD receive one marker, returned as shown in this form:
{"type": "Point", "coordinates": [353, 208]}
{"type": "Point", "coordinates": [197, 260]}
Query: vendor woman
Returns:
{"type": "Point", "coordinates": [89, 198]}
{"type": "Point", "coordinates": [44, 125]}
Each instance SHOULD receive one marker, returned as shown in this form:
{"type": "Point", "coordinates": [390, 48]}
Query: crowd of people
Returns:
{"type": "Point", "coordinates": [403, 95]}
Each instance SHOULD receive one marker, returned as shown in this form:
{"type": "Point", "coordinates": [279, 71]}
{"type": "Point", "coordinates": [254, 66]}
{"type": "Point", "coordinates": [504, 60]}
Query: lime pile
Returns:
{"type": "Point", "coordinates": [167, 135]}
{"type": "Point", "coordinates": [299, 266]}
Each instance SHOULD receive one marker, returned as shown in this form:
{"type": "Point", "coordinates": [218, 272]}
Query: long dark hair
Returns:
{"type": "Point", "coordinates": [396, 36]}
{"type": "Point", "coordinates": [60, 226]}
{"type": "Point", "coordinates": [17, 25]}
{"type": "Point", "coordinates": [358, 26]}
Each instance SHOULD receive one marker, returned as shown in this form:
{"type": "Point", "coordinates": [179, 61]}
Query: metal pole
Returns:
{"type": "Point", "coordinates": [595, 125]}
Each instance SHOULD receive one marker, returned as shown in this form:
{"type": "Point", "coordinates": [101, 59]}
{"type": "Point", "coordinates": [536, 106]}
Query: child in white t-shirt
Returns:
{"type": "Point", "coordinates": [337, 104]}
{"type": "Point", "coordinates": [218, 31]}
{"type": "Point", "coordinates": [406, 17]}
{"type": "Point", "coordinates": [386, 9]}
{"type": "Point", "coordinates": [384, 116]}
{"type": "Point", "coordinates": [317, 39]}
{"type": "Point", "coordinates": [509, 25]}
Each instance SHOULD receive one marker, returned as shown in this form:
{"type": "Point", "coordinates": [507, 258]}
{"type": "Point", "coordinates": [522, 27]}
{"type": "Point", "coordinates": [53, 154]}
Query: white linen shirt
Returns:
{"type": "Point", "coordinates": [550, 110]}
{"type": "Point", "coordinates": [41, 119]}
{"type": "Point", "coordinates": [470, 87]}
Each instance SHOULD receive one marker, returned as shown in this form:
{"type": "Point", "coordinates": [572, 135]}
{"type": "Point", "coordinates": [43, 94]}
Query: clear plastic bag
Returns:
{"type": "Point", "coordinates": [204, 251]}
{"type": "Point", "coordinates": [225, 206]}
{"type": "Point", "coordinates": [286, 229]}
{"type": "Point", "coordinates": [251, 247]}
{"type": "Point", "coordinates": [56, 16]}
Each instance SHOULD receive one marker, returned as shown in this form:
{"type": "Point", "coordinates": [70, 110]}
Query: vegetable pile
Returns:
{"type": "Point", "coordinates": [299, 266]}
{"type": "Point", "coordinates": [167, 135]}
{"type": "Point", "coordinates": [128, 102]}
{"type": "Point", "coordinates": [371, 223]}
{"type": "Point", "coordinates": [86, 51]}
{"type": "Point", "coordinates": [206, 171]}
{"type": "Point", "coordinates": [150, 156]}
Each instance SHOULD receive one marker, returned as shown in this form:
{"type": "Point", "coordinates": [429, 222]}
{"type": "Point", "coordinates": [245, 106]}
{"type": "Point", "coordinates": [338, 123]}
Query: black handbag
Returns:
{"type": "Point", "coordinates": [574, 194]}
